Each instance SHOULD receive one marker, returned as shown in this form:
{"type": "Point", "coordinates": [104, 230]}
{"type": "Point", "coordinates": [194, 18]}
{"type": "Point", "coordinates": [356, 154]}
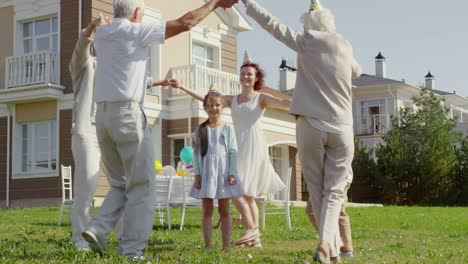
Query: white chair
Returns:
{"type": "Point", "coordinates": [282, 207]}
{"type": "Point", "coordinates": [163, 194]}
{"type": "Point", "coordinates": [187, 201]}
{"type": "Point", "coordinates": [67, 192]}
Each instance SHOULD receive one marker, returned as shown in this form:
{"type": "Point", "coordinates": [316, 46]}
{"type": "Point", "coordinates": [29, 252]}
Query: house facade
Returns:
{"type": "Point", "coordinates": [36, 97]}
{"type": "Point", "coordinates": [377, 98]}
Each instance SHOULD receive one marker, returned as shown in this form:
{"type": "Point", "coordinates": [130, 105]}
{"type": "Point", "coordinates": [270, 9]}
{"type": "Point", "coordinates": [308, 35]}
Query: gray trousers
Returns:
{"type": "Point", "coordinates": [128, 159]}
{"type": "Point", "coordinates": [87, 156]}
{"type": "Point", "coordinates": [326, 161]}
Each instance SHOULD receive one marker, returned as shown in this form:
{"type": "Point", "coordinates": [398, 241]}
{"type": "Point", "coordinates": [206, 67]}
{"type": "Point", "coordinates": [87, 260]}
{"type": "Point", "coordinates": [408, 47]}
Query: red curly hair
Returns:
{"type": "Point", "coordinates": [260, 74]}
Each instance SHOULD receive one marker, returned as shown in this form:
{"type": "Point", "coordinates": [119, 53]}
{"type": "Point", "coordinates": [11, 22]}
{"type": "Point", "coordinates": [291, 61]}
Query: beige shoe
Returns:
{"type": "Point", "coordinates": [248, 235]}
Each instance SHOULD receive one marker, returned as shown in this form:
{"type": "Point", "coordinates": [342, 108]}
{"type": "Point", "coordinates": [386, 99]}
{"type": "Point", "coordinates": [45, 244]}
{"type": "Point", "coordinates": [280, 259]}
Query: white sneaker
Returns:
{"type": "Point", "coordinates": [82, 245]}
{"type": "Point", "coordinates": [138, 256]}
{"type": "Point", "coordinates": [347, 254]}
{"type": "Point", "coordinates": [95, 242]}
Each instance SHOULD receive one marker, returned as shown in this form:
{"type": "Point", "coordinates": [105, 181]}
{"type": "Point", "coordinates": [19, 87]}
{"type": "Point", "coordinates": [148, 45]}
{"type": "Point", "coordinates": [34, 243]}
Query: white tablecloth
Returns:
{"type": "Point", "coordinates": [177, 190]}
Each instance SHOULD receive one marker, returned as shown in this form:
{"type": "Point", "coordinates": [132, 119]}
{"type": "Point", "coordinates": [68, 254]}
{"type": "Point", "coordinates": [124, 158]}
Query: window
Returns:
{"type": "Point", "coordinates": [176, 146]}
{"type": "Point", "coordinates": [40, 35]}
{"type": "Point", "coordinates": [202, 55]}
{"type": "Point", "coordinates": [371, 114]}
{"type": "Point", "coordinates": [276, 159]}
{"type": "Point", "coordinates": [38, 147]}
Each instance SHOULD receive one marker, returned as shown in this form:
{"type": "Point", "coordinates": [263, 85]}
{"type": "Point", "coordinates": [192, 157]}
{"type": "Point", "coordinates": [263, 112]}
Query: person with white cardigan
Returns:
{"type": "Point", "coordinates": [322, 104]}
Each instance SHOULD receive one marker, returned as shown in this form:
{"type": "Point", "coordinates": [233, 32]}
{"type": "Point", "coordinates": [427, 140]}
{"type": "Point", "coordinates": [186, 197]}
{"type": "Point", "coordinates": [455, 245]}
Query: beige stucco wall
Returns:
{"type": "Point", "coordinates": [37, 111]}
{"type": "Point", "coordinates": [6, 44]}
{"type": "Point", "coordinates": [176, 51]}
{"type": "Point", "coordinates": [275, 138]}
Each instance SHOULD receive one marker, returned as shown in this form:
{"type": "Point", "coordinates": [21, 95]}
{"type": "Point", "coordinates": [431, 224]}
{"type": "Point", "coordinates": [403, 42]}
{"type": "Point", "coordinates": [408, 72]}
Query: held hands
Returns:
{"type": "Point", "coordinates": [197, 182]}
{"type": "Point", "coordinates": [226, 3]}
{"type": "Point", "coordinates": [101, 20]}
{"type": "Point", "coordinates": [231, 180]}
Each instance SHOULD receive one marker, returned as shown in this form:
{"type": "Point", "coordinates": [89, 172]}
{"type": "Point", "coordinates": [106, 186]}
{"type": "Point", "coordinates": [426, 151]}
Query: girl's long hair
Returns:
{"type": "Point", "coordinates": [260, 74]}
{"type": "Point", "coordinates": [202, 130]}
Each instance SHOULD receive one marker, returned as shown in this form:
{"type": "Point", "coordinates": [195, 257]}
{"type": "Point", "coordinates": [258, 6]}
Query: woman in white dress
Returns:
{"type": "Point", "coordinates": [255, 170]}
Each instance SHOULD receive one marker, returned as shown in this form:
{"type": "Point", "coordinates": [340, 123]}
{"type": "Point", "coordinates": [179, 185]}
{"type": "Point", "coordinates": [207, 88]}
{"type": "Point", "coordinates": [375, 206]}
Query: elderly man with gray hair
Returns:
{"type": "Point", "coordinates": [322, 103]}
{"type": "Point", "coordinates": [122, 129]}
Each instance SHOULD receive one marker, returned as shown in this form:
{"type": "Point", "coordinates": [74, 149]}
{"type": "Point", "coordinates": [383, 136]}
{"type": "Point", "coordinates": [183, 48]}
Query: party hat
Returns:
{"type": "Point", "coordinates": [213, 88]}
{"type": "Point", "coordinates": [247, 59]}
{"type": "Point", "coordinates": [314, 5]}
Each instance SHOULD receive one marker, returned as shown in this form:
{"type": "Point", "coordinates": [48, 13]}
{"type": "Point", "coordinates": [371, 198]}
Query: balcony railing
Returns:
{"type": "Point", "coordinates": [374, 124]}
{"type": "Point", "coordinates": [31, 69]}
{"type": "Point", "coordinates": [199, 78]}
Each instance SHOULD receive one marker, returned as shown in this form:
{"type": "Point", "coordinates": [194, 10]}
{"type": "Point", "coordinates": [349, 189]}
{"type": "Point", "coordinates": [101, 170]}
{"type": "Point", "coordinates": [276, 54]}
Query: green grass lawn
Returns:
{"type": "Point", "coordinates": [381, 235]}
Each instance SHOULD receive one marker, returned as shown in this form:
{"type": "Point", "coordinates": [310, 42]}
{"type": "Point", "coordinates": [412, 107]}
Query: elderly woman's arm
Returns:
{"type": "Point", "coordinates": [272, 25]}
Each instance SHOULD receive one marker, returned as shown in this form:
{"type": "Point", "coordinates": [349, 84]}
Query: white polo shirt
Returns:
{"type": "Point", "coordinates": [121, 49]}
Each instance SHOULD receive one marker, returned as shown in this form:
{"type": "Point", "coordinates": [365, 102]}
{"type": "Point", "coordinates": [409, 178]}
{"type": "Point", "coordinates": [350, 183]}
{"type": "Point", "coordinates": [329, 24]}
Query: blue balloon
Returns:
{"type": "Point", "coordinates": [186, 154]}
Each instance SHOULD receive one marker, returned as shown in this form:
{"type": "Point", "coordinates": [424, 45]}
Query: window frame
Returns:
{"type": "Point", "coordinates": [35, 37]}
{"type": "Point", "coordinates": [18, 172]}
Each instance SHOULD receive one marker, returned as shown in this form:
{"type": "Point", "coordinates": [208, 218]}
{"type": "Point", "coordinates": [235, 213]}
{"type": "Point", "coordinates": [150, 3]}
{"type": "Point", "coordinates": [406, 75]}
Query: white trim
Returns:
{"type": "Point", "coordinates": [5, 3]}
{"type": "Point", "coordinates": [31, 93]}
{"type": "Point", "coordinates": [226, 30]}
{"type": "Point", "coordinates": [66, 102]}
{"type": "Point", "coordinates": [17, 152]}
{"type": "Point", "coordinates": [206, 37]}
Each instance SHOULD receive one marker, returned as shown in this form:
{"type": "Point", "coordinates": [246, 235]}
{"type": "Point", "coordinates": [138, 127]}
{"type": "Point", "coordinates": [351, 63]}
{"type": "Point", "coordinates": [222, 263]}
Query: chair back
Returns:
{"type": "Point", "coordinates": [288, 186]}
{"type": "Point", "coordinates": [169, 170]}
{"type": "Point", "coordinates": [187, 183]}
{"type": "Point", "coordinates": [163, 187]}
{"type": "Point", "coordinates": [67, 186]}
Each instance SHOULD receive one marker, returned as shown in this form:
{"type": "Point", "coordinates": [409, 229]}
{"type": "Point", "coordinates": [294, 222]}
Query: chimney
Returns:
{"type": "Point", "coordinates": [430, 83]}
{"type": "Point", "coordinates": [380, 66]}
{"type": "Point", "coordinates": [287, 76]}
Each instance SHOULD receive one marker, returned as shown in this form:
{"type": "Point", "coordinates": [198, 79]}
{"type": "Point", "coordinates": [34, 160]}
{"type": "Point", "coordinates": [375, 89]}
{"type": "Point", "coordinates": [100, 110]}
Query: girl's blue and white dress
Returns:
{"type": "Point", "coordinates": [215, 168]}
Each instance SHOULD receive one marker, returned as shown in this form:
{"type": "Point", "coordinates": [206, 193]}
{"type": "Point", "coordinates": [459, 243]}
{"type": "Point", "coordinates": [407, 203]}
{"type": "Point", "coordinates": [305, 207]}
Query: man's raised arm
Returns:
{"type": "Point", "coordinates": [192, 18]}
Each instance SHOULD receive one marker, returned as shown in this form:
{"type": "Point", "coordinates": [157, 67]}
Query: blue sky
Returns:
{"type": "Point", "coordinates": [414, 36]}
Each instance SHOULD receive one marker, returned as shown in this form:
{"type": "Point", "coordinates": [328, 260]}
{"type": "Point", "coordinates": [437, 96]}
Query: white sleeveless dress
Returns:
{"type": "Point", "coordinates": [253, 164]}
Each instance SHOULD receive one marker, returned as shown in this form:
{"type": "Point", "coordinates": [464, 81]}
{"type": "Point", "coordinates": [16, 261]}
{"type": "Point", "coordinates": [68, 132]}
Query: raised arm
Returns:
{"type": "Point", "coordinates": [270, 101]}
{"type": "Point", "coordinates": [272, 25]}
{"type": "Point", "coordinates": [82, 53]}
{"type": "Point", "coordinates": [176, 85]}
{"type": "Point", "coordinates": [192, 18]}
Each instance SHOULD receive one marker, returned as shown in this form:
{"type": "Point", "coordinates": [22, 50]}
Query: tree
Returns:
{"type": "Point", "coordinates": [460, 192]}
{"type": "Point", "coordinates": [416, 165]}
{"type": "Point", "coordinates": [364, 187]}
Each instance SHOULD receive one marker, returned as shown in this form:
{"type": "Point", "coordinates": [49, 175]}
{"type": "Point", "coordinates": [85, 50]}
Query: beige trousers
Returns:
{"type": "Point", "coordinates": [343, 223]}
{"type": "Point", "coordinates": [128, 158]}
{"type": "Point", "coordinates": [326, 160]}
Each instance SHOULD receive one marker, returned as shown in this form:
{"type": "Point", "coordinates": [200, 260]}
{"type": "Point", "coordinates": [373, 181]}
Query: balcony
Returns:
{"type": "Point", "coordinates": [31, 76]}
{"type": "Point", "coordinates": [199, 78]}
{"type": "Point", "coordinates": [374, 125]}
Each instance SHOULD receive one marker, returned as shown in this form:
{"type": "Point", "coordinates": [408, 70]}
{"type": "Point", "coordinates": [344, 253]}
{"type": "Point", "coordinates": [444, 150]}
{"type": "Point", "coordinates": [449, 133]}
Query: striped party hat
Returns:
{"type": "Point", "coordinates": [247, 59]}
{"type": "Point", "coordinates": [314, 5]}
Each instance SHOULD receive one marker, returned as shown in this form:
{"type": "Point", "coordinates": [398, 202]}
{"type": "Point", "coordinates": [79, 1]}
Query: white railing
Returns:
{"type": "Point", "coordinates": [30, 69]}
{"type": "Point", "coordinates": [199, 78]}
{"type": "Point", "coordinates": [375, 124]}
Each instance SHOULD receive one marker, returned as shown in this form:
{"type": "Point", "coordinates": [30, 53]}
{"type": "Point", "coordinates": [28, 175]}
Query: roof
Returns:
{"type": "Point", "coordinates": [380, 56]}
{"type": "Point", "coordinates": [439, 92]}
{"type": "Point", "coordinates": [372, 80]}
{"type": "Point", "coordinates": [429, 75]}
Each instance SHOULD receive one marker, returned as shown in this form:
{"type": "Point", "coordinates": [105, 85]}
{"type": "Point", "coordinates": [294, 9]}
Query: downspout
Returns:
{"type": "Point", "coordinates": [80, 7]}
{"type": "Point", "coordinates": [7, 199]}
{"type": "Point", "coordinates": [190, 121]}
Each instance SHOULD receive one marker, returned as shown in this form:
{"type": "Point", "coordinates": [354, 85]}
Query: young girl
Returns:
{"type": "Point", "coordinates": [255, 169]}
{"type": "Point", "coordinates": [215, 164]}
